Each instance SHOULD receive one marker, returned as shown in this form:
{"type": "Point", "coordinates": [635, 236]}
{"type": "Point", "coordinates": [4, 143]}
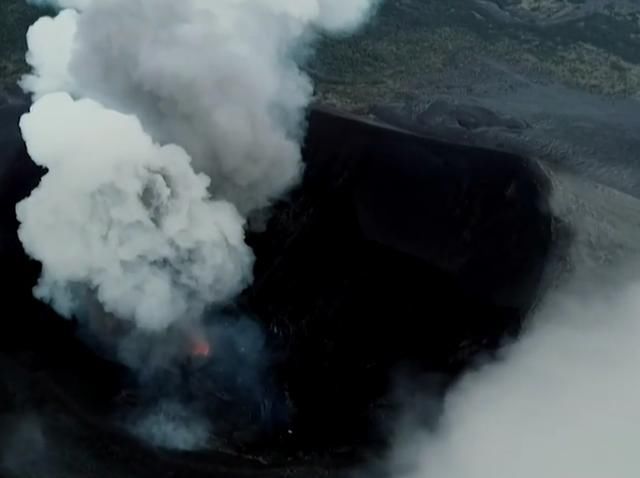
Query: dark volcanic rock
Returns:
{"type": "Point", "coordinates": [450, 120]}
{"type": "Point", "coordinates": [471, 117]}
{"type": "Point", "coordinates": [396, 250]}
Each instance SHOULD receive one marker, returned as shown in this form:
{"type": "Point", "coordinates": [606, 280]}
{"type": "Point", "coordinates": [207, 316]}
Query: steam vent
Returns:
{"type": "Point", "coordinates": [398, 256]}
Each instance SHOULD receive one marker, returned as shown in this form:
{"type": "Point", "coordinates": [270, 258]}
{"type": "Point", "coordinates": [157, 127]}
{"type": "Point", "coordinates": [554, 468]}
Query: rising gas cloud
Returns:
{"type": "Point", "coordinates": [163, 125]}
{"type": "Point", "coordinates": [562, 402]}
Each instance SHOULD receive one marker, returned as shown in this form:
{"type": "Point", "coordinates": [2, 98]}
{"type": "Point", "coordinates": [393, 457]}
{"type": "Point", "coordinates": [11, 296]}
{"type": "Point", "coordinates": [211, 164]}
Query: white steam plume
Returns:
{"type": "Point", "coordinates": [123, 218]}
{"type": "Point", "coordinates": [562, 403]}
{"type": "Point", "coordinates": [216, 77]}
{"type": "Point", "coordinates": [50, 42]}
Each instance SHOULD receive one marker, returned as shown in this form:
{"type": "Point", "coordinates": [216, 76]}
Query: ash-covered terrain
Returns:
{"type": "Point", "coordinates": [415, 46]}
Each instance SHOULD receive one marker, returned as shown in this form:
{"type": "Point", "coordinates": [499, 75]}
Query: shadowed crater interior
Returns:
{"type": "Point", "coordinates": [397, 255]}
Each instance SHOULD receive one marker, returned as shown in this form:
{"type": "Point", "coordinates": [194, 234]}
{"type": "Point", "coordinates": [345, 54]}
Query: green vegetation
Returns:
{"type": "Point", "coordinates": [415, 46]}
{"type": "Point", "coordinates": [410, 46]}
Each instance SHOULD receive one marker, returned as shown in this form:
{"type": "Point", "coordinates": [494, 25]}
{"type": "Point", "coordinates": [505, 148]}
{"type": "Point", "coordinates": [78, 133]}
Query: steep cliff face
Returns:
{"type": "Point", "coordinates": [396, 255]}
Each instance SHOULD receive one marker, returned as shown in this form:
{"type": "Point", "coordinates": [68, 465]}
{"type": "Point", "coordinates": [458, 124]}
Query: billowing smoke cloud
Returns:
{"type": "Point", "coordinates": [562, 401]}
{"type": "Point", "coordinates": [224, 394]}
{"type": "Point", "coordinates": [218, 78]}
{"type": "Point", "coordinates": [50, 43]}
{"type": "Point", "coordinates": [125, 217]}
{"type": "Point", "coordinates": [130, 96]}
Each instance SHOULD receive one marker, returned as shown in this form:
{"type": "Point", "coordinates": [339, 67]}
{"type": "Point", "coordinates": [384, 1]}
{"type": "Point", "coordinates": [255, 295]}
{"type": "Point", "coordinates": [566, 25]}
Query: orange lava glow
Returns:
{"type": "Point", "coordinates": [200, 347]}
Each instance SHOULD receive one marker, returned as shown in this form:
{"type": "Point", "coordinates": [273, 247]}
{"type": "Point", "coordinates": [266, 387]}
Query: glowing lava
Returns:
{"type": "Point", "coordinates": [200, 347]}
